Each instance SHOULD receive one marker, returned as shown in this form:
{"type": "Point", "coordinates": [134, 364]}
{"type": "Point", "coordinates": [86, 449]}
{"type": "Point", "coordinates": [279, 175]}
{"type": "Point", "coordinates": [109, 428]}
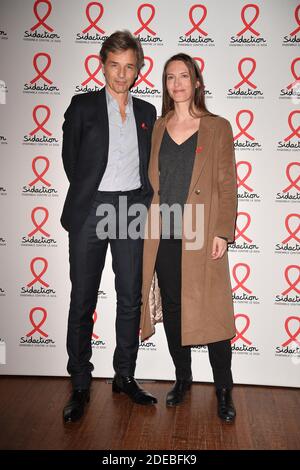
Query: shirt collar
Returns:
{"type": "Point", "coordinates": [113, 104]}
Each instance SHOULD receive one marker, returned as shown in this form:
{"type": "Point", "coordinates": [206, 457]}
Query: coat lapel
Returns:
{"type": "Point", "coordinates": [204, 141]}
{"type": "Point", "coordinates": [154, 160]}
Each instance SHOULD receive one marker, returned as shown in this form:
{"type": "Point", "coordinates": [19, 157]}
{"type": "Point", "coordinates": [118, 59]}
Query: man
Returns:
{"type": "Point", "coordinates": [106, 149]}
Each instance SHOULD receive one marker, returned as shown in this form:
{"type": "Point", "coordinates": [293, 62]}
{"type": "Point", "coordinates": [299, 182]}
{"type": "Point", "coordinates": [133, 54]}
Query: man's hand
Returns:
{"type": "Point", "coordinates": [219, 247]}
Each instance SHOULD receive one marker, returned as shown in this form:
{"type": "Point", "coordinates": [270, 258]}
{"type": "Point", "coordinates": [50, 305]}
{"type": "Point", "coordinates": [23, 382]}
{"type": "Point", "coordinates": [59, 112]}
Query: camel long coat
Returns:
{"type": "Point", "coordinates": [206, 298]}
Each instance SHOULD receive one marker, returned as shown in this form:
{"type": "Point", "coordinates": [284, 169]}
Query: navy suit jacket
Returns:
{"type": "Point", "coordinates": [85, 151]}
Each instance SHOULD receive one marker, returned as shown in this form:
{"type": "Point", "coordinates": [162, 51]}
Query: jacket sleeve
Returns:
{"type": "Point", "coordinates": [71, 137]}
{"type": "Point", "coordinates": [227, 186]}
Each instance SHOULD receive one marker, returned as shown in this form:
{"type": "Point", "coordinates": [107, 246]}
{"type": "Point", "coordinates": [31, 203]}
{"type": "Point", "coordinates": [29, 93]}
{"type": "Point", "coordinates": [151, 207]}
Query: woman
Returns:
{"type": "Point", "coordinates": [192, 165]}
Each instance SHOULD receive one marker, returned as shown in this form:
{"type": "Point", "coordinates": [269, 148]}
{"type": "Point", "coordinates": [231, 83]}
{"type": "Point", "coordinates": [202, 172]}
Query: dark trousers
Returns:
{"type": "Point", "coordinates": [87, 258]}
{"type": "Point", "coordinates": [168, 269]}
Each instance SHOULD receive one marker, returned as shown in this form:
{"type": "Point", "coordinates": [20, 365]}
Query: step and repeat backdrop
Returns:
{"type": "Point", "coordinates": [250, 58]}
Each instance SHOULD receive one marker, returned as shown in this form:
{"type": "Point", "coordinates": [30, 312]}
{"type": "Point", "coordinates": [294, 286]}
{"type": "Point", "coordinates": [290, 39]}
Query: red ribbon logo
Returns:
{"type": "Point", "coordinates": [92, 76]}
{"type": "Point", "coordinates": [41, 20]}
{"type": "Point", "coordinates": [238, 281]}
{"type": "Point", "coordinates": [288, 174]}
{"type": "Point", "coordinates": [38, 226]}
{"type": "Point", "coordinates": [293, 285]}
{"type": "Point", "coordinates": [241, 181]}
{"type": "Point", "coordinates": [93, 23]}
{"type": "Point", "coordinates": [95, 317]}
{"type": "Point", "coordinates": [241, 232]}
{"type": "Point", "coordinates": [295, 132]}
{"type": "Point", "coordinates": [37, 326]}
{"type": "Point", "coordinates": [143, 76]}
{"type": "Point", "coordinates": [40, 125]}
{"type": "Point", "coordinates": [40, 73]}
{"type": "Point", "coordinates": [38, 277]}
{"type": "Point", "coordinates": [292, 337]}
{"type": "Point", "coordinates": [248, 25]}
{"type": "Point", "coordinates": [240, 334]}
{"type": "Point", "coordinates": [292, 234]}
{"type": "Point", "coordinates": [201, 63]}
{"type": "Point", "coordinates": [297, 18]}
{"type": "Point", "coordinates": [196, 25]}
{"type": "Point", "coordinates": [148, 21]}
{"type": "Point", "coordinates": [243, 130]}
{"type": "Point", "coordinates": [296, 77]}
{"type": "Point", "coordinates": [39, 176]}
{"type": "Point", "coordinates": [245, 77]}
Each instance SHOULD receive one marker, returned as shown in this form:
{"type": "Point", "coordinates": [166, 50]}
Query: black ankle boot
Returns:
{"type": "Point", "coordinates": [226, 410]}
{"type": "Point", "coordinates": [74, 409]}
{"type": "Point", "coordinates": [177, 393]}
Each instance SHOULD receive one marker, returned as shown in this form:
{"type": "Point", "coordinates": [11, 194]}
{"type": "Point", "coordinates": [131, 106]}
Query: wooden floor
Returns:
{"type": "Point", "coordinates": [31, 418]}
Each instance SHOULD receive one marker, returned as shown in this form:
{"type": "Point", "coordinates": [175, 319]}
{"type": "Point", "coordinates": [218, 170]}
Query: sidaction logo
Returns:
{"type": "Point", "coordinates": [96, 342]}
{"type": "Point", "coordinates": [91, 82]}
{"type": "Point", "coordinates": [291, 294]}
{"type": "Point", "coordinates": [41, 83]}
{"type": "Point", "coordinates": [241, 343]}
{"type": "Point", "coordinates": [244, 139]}
{"type": "Point", "coordinates": [37, 336]}
{"type": "Point", "coordinates": [41, 135]}
{"type": "Point", "coordinates": [197, 35]}
{"type": "Point", "coordinates": [293, 39]}
{"type": "Point", "coordinates": [145, 32]}
{"type": "Point", "coordinates": [39, 236]}
{"type": "Point", "coordinates": [292, 140]}
{"type": "Point", "coordinates": [292, 89]}
{"type": "Point", "coordinates": [42, 29]}
{"type": "Point", "coordinates": [38, 286]}
{"type": "Point", "coordinates": [243, 240]}
{"type": "Point", "coordinates": [291, 242]}
{"type": "Point", "coordinates": [245, 88]}
{"type": "Point", "coordinates": [92, 31]}
{"type": "Point", "coordinates": [244, 184]}
{"type": "Point", "coordinates": [249, 34]}
{"type": "Point", "coordinates": [291, 191]}
{"type": "Point", "coordinates": [147, 345]}
{"type": "Point", "coordinates": [291, 346]}
{"type": "Point", "coordinates": [40, 185]}
{"type": "Point", "coordinates": [240, 290]}
{"type": "Point", "coordinates": [144, 85]}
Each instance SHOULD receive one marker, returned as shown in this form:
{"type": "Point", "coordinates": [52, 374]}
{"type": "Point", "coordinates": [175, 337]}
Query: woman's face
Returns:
{"type": "Point", "coordinates": [178, 82]}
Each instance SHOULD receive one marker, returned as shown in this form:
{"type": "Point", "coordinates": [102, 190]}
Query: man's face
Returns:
{"type": "Point", "coordinates": [120, 70]}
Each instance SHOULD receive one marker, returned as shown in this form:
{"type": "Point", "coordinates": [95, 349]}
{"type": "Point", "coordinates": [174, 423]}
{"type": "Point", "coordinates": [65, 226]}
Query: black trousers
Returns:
{"type": "Point", "coordinates": [168, 269]}
{"type": "Point", "coordinates": [87, 258]}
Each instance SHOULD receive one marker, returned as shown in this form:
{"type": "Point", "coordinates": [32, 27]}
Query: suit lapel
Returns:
{"type": "Point", "coordinates": [102, 118]}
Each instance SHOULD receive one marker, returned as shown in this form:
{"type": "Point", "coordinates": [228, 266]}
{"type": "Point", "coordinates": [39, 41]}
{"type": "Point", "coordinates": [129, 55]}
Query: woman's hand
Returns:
{"type": "Point", "coordinates": [219, 247]}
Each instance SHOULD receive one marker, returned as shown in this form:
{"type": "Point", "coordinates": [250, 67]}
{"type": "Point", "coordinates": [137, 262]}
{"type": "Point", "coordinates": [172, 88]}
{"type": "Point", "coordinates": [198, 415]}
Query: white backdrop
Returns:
{"type": "Point", "coordinates": [251, 68]}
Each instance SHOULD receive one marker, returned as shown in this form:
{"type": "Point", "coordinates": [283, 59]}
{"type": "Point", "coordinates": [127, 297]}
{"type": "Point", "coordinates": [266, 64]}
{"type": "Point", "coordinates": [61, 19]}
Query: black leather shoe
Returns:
{"type": "Point", "coordinates": [177, 393]}
{"type": "Point", "coordinates": [130, 386]}
{"type": "Point", "coordinates": [226, 410]}
{"type": "Point", "coordinates": [74, 409]}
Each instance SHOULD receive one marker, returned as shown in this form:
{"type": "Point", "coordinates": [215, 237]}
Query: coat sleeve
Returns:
{"type": "Point", "coordinates": [227, 186]}
{"type": "Point", "coordinates": [71, 137]}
